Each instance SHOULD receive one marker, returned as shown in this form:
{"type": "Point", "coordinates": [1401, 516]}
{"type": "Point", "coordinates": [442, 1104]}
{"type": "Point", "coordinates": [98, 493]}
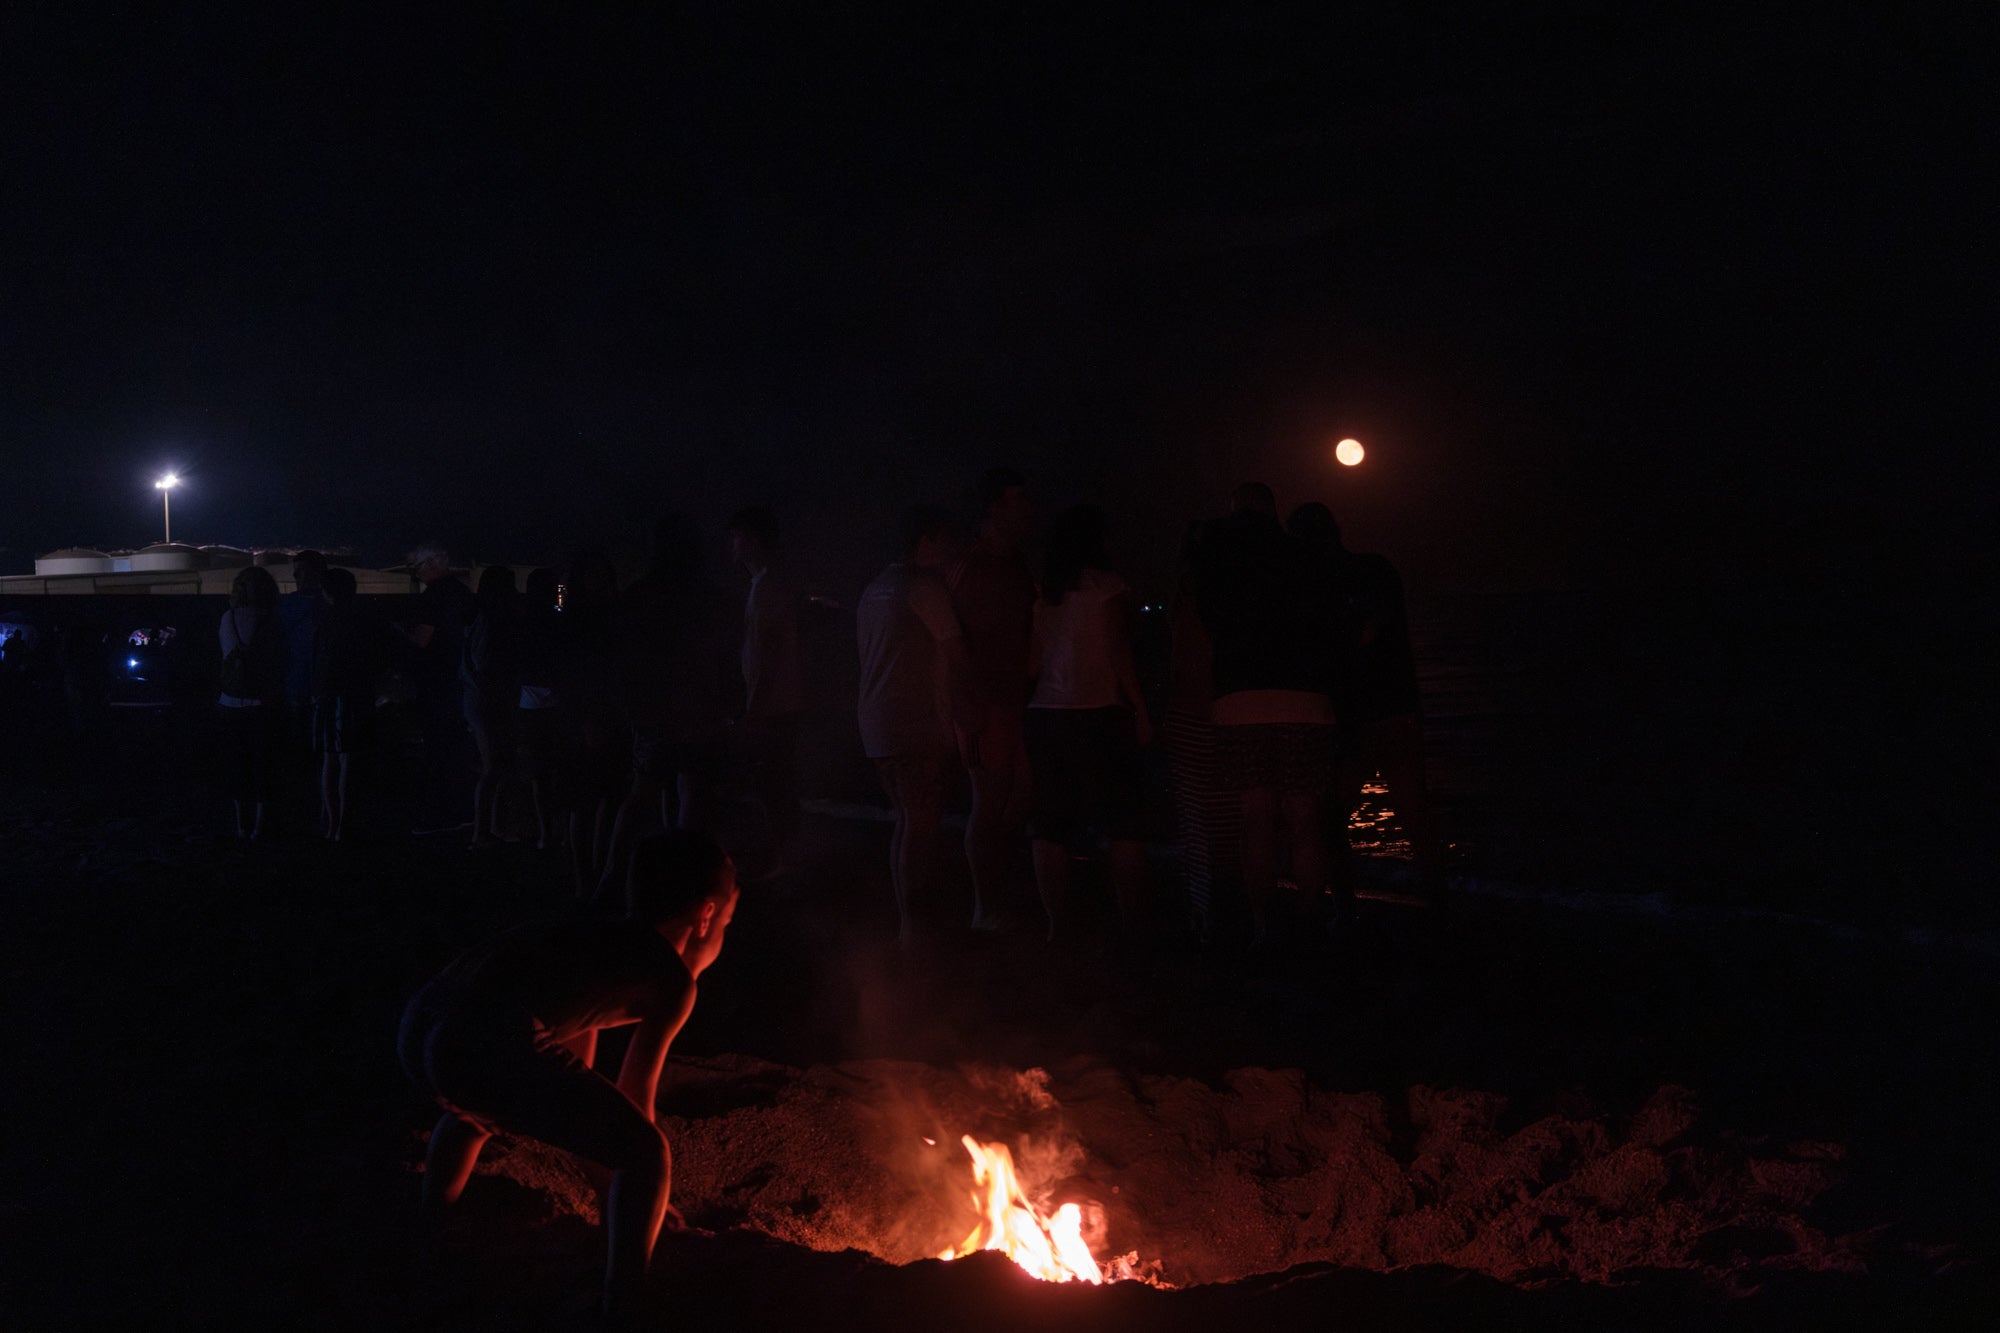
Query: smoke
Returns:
{"type": "Point", "coordinates": [914, 1119]}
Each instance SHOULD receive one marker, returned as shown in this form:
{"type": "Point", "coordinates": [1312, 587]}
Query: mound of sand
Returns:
{"type": "Point", "coordinates": [1216, 1184]}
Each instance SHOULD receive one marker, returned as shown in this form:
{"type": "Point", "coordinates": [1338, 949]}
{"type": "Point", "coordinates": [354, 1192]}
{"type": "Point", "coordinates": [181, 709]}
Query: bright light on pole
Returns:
{"type": "Point", "coordinates": [165, 486]}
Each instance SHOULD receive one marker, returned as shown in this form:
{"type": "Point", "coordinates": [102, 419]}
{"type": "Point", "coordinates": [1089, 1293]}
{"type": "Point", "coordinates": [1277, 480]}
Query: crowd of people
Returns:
{"type": "Point", "coordinates": [616, 711]}
{"type": "Point", "coordinates": [1292, 681]}
{"type": "Point", "coordinates": [624, 713]}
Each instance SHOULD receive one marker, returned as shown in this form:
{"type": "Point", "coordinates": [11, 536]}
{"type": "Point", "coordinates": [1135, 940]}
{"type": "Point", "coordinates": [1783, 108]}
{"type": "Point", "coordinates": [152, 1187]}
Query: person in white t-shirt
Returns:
{"type": "Point", "coordinates": [1086, 718]}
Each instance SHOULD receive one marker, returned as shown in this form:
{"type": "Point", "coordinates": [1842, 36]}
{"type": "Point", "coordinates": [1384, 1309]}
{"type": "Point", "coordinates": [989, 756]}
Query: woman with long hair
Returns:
{"type": "Point", "coordinates": [1087, 717]}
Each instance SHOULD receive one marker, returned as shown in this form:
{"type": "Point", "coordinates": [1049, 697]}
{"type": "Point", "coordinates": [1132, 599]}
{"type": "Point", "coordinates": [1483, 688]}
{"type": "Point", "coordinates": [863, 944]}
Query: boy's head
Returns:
{"type": "Point", "coordinates": [753, 534]}
{"type": "Point", "coordinates": [338, 585]}
{"type": "Point", "coordinates": [926, 537]}
{"type": "Point", "coordinates": [681, 876]}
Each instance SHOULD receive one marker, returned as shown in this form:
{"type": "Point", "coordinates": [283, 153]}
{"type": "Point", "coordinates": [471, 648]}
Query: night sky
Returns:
{"type": "Point", "coordinates": [1609, 297]}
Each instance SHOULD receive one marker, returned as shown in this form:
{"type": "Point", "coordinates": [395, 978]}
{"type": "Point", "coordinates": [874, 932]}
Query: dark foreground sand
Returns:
{"type": "Point", "coordinates": [1486, 1114]}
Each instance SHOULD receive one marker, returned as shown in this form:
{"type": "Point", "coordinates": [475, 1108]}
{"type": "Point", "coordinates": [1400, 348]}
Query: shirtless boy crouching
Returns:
{"type": "Point", "coordinates": [504, 1037]}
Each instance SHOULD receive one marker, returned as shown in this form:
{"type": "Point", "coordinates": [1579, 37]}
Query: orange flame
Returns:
{"type": "Point", "coordinates": [1051, 1248]}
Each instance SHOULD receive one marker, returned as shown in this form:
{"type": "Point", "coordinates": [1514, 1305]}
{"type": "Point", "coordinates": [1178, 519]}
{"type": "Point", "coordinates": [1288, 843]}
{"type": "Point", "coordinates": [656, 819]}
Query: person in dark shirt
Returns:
{"type": "Point", "coordinates": [538, 701]}
{"type": "Point", "coordinates": [504, 1039]}
{"type": "Point", "coordinates": [912, 693]}
{"type": "Point", "coordinates": [300, 611]}
{"type": "Point", "coordinates": [1380, 711]}
{"type": "Point", "coordinates": [489, 673]}
{"type": "Point", "coordinates": [993, 595]}
{"type": "Point", "coordinates": [672, 660]}
{"type": "Point", "coordinates": [593, 751]}
{"type": "Point", "coordinates": [252, 696]}
{"type": "Point", "coordinates": [436, 632]}
{"type": "Point", "coordinates": [1273, 632]}
{"type": "Point", "coordinates": [348, 656]}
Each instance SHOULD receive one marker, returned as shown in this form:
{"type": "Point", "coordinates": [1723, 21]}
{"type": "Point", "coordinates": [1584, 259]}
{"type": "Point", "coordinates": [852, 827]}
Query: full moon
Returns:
{"type": "Point", "coordinates": [1349, 452]}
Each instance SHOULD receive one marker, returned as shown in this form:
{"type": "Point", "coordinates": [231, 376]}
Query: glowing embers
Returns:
{"type": "Point", "coordinates": [1050, 1247]}
{"type": "Point", "coordinates": [1372, 827]}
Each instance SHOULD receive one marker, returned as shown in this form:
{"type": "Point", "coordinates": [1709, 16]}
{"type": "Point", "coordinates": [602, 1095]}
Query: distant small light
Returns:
{"type": "Point", "coordinates": [1349, 452]}
{"type": "Point", "coordinates": [132, 662]}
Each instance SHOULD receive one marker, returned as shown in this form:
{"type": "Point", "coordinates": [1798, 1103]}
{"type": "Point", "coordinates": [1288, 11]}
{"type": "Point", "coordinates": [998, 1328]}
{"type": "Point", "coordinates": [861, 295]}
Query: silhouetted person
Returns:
{"type": "Point", "coordinates": [300, 611]}
{"type": "Point", "coordinates": [252, 696]}
{"type": "Point", "coordinates": [1275, 744]}
{"type": "Point", "coordinates": [436, 632]}
{"type": "Point", "coordinates": [1379, 707]}
{"type": "Point", "coordinates": [503, 1039]}
{"type": "Point", "coordinates": [670, 658]}
{"type": "Point", "coordinates": [1086, 718]}
{"type": "Point", "coordinates": [489, 674]}
{"type": "Point", "coordinates": [538, 728]}
{"type": "Point", "coordinates": [993, 593]}
{"type": "Point", "coordinates": [774, 682]}
{"type": "Point", "coordinates": [348, 655]}
{"type": "Point", "coordinates": [85, 654]}
{"type": "Point", "coordinates": [913, 664]}
{"type": "Point", "coordinates": [595, 751]}
{"type": "Point", "coordinates": [1208, 816]}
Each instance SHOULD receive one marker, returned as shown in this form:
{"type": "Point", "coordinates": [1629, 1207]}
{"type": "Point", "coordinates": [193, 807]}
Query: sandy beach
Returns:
{"type": "Point", "coordinates": [1486, 1111]}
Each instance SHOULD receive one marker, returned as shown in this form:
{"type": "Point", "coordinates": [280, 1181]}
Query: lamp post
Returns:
{"type": "Point", "coordinates": [165, 486]}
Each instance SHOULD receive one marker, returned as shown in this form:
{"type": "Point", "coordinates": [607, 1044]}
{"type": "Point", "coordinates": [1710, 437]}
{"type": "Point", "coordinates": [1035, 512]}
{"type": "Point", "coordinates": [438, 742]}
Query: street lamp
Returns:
{"type": "Point", "coordinates": [165, 486]}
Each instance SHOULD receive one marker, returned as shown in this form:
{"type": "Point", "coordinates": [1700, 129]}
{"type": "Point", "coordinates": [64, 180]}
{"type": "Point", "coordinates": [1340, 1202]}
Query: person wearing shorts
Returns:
{"type": "Point", "coordinates": [1087, 718]}
{"type": "Point", "coordinates": [913, 666]}
{"type": "Point", "coordinates": [504, 1038]}
{"type": "Point", "coordinates": [1276, 641]}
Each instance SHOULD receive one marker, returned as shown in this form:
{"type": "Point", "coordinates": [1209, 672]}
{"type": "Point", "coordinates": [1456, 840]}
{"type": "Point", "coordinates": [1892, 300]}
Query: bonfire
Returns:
{"type": "Point", "coordinates": [1049, 1246]}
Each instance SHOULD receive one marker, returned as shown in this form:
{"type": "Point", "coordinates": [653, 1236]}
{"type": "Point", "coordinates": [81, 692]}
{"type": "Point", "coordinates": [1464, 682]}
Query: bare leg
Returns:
{"type": "Point", "coordinates": [483, 789]}
{"type": "Point", "coordinates": [893, 785]}
{"type": "Point", "coordinates": [340, 797]}
{"type": "Point", "coordinates": [601, 839]}
{"type": "Point", "coordinates": [536, 798]}
{"type": "Point", "coordinates": [1052, 878]}
{"type": "Point", "coordinates": [1259, 850]}
{"type": "Point", "coordinates": [898, 881]}
{"type": "Point", "coordinates": [638, 808]}
{"type": "Point", "coordinates": [584, 1047]}
{"type": "Point", "coordinates": [691, 803]}
{"type": "Point", "coordinates": [1307, 840]}
{"type": "Point", "coordinates": [921, 837]}
{"type": "Point", "coordinates": [454, 1150]}
{"type": "Point", "coordinates": [989, 835]}
{"type": "Point", "coordinates": [329, 822]}
{"type": "Point", "coordinates": [1403, 771]}
{"type": "Point", "coordinates": [638, 1208]}
{"type": "Point", "coordinates": [242, 829]}
{"type": "Point", "coordinates": [1128, 881]}
{"type": "Point", "coordinates": [581, 874]}
{"type": "Point", "coordinates": [918, 797]}
{"type": "Point", "coordinates": [257, 829]}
